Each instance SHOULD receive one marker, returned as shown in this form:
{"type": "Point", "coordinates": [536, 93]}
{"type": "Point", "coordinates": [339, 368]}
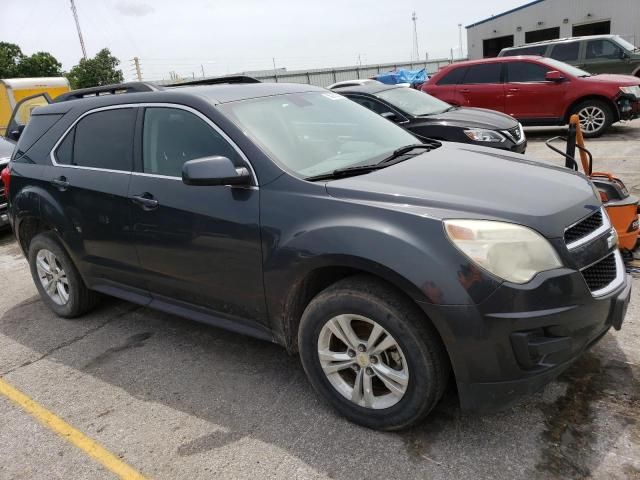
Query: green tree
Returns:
{"type": "Point", "coordinates": [40, 64]}
{"type": "Point", "coordinates": [10, 57]}
{"type": "Point", "coordinates": [96, 71]}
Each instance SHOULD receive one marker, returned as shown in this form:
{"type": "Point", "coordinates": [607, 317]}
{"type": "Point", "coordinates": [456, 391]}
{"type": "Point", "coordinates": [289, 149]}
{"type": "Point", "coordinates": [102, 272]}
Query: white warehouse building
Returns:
{"type": "Point", "coordinates": [550, 19]}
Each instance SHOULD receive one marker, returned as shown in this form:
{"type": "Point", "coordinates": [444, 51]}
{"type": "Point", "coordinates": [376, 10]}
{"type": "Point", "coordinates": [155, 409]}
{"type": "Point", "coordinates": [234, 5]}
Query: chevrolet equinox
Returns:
{"type": "Point", "coordinates": [295, 215]}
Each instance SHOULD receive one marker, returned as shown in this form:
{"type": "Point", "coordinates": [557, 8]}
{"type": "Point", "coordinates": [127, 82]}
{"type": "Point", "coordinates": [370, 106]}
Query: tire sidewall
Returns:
{"type": "Point", "coordinates": [46, 241]}
{"type": "Point", "coordinates": [420, 395]}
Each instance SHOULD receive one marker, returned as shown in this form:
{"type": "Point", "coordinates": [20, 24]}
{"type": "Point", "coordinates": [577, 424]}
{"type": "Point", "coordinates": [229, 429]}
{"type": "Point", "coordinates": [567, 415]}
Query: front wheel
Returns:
{"type": "Point", "coordinates": [372, 354]}
{"type": "Point", "coordinates": [595, 117]}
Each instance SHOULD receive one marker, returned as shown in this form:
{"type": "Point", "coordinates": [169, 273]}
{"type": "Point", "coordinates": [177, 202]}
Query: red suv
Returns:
{"type": "Point", "coordinates": [539, 91]}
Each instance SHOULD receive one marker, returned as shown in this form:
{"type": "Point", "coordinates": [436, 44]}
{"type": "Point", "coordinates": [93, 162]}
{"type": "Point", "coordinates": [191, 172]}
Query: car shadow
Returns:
{"type": "Point", "coordinates": [254, 389]}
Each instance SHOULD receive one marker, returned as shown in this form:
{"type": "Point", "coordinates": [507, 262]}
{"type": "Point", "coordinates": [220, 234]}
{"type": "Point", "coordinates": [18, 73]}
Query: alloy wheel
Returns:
{"type": "Point", "coordinates": [592, 119]}
{"type": "Point", "coordinates": [52, 277]}
{"type": "Point", "coordinates": [362, 361]}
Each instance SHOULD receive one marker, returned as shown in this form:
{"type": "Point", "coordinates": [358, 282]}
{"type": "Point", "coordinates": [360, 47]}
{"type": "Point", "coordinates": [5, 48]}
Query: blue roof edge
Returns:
{"type": "Point", "coordinates": [521, 7]}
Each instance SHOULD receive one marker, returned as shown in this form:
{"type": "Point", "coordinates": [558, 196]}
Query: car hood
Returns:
{"type": "Point", "coordinates": [470, 117]}
{"type": "Point", "coordinates": [466, 181]}
{"type": "Point", "coordinates": [622, 80]}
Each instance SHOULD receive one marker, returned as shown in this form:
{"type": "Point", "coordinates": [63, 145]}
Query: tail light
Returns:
{"type": "Point", "coordinates": [5, 175]}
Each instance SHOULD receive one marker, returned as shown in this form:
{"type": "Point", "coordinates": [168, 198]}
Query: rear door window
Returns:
{"type": "Point", "coordinates": [453, 77]}
{"type": "Point", "coordinates": [523, 72]}
{"type": "Point", "coordinates": [484, 73]}
{"type": "Point", "coordinates": [566, 52]}
{"type": "Point", "coordinates": [101, 140]}
{"type": "Point", "coordinates": [172, 136]}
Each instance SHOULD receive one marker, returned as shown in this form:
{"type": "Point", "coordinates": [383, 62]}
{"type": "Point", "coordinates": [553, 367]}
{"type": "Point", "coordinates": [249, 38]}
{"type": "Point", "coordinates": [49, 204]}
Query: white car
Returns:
{"type": "Point", "coordinates": [352, 83]}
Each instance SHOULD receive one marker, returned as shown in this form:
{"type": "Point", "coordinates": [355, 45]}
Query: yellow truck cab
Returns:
{"type": "Point", "coordinates": [13, 90]}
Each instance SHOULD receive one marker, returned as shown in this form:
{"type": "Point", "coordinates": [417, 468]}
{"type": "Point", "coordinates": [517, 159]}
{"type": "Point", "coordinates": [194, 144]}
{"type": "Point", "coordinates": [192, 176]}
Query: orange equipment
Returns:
{"type": "Point", "coordinates": [621, 207]}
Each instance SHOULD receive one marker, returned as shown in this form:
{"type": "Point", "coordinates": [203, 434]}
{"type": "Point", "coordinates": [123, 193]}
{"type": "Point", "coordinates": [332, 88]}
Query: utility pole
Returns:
{"type": "Point", "coordinates": [460, 40]}
{"type": "Point", "coordinates": [415, 53]}
{"type": "Point", "coordinates": [136, 62]}
{"type": "Point", "coordinates": [75, 17]}
{"type": "Point", "coordinates": [275, 72]}
{"type": "Point", "coordinates": [202, 68]}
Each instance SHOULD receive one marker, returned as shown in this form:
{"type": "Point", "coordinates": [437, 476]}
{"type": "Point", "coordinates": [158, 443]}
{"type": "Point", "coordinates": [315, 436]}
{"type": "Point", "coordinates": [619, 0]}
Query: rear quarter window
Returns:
{"type": "Point", "coordinates": [38, 125]}
{"type": "Point", "coordinates": [535, 50]}
{"type": "Point", "coordinates": [453, 76]}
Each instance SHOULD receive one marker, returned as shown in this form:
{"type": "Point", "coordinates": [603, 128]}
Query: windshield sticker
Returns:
{"type": "Point", "coordinates": [334, 96]}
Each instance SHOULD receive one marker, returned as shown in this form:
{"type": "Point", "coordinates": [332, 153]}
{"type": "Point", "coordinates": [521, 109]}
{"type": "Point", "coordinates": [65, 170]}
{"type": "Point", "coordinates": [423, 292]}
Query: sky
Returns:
{"type": "Point", "coordinates": [222, 37]}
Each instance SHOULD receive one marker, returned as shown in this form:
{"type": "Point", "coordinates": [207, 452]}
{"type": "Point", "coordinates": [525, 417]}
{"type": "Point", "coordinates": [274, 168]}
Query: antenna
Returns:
{"type": "Point", "coordinates": [415, 52]}
{"type": "Point", "coordinates": [75, 17]}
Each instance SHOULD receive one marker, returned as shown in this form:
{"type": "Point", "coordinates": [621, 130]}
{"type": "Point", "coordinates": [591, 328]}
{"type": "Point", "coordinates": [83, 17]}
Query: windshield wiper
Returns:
{"type": "Point", "coordinates": [395, 157]}
{"type": "Point", "coordinates": [346, 172]}
{"type": "Point", "coordinates": [400, 152]}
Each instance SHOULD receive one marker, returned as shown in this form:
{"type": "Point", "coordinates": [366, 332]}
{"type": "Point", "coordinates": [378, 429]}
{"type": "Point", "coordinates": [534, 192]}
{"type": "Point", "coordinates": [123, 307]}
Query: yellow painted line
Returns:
{"type": "Point", "coordinates": [70, 434]}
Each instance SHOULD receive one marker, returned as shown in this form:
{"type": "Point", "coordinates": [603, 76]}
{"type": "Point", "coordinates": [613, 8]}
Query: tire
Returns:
{"type": "Point", "coordinates": [596, 117]}
{"type": "Point", "coordinates": [67, 301]}
{"type": "Point", "coordinates": [419, 361]}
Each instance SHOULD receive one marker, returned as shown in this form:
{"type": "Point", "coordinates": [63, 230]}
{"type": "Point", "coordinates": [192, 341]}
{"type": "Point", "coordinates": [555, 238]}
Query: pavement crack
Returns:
{"type": "Point", "coordinates": [71, 341]}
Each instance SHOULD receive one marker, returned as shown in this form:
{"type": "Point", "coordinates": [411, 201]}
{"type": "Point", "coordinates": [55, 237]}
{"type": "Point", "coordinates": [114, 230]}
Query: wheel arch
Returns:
{"type": "Point", "coordinates": [324, 273]}
{"type": "Point", "coordinates": [601, 98]}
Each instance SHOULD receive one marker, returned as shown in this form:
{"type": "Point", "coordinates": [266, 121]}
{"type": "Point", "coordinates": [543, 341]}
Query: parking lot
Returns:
{"type": "Point", "coordinates": [175, 399]}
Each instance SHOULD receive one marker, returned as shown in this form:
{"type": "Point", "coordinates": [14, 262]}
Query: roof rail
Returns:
{"type": "Point", "coordinates": [217, 81]}
{"type": "Point", "coordinates": [115, 89]}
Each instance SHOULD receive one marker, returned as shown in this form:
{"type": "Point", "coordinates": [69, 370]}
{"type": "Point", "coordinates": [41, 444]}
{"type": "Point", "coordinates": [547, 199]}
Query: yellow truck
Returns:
{"type": "Point", "coordinates": [13, 90]}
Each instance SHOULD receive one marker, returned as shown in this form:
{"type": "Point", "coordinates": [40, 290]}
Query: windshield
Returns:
{"type": "Point", "coordinates": [626, 45]}
{"type": "Point", "coordinates": [315, 133]}
{"type": "Point", "coordinates": [413, 102]}
{"type": "Point", "coordinates": [565, 67]}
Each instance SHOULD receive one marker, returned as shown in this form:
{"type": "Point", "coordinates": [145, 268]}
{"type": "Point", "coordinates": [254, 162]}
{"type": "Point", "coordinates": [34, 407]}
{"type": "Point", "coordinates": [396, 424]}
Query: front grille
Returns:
{"type": "Point", "coordinates": [515, 133]}
{"type": "Point", "coordinates": [600, 274]}
{"type": "Point", "coordinates": [584, 227]}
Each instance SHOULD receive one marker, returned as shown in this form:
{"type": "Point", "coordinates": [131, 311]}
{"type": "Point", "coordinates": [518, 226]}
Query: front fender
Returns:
{"type": "Point", "coordinates": [302, 233]}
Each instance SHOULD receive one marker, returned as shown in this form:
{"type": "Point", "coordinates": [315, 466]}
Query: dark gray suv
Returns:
{"type": "Point", "coordinates": [292, 214]}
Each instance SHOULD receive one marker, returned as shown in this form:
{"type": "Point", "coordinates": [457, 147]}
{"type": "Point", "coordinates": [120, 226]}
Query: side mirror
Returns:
{"type": "Point", "coordinates": [624, 55]}
{"type": "Point", "coordinates": [15, 133]}
{"type": "Point", "coordinates": [214, 171]}
{"type": "Point", "coordinates": [555, 76]}
{"type": "Point", "coordinates": [390, 116]}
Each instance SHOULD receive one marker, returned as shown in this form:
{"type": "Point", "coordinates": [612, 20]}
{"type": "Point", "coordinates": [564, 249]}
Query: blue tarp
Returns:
{"type": "Point", "coordinates": [414, 77]}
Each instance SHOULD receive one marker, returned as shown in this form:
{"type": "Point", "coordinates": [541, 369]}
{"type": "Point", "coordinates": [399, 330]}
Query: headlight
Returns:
{"type": "Point", "coordinates": [512, 252]}
{"type": "Point", "coordinates": [482, 135]}
{"type": "Point", "coordinates": [634, 90]}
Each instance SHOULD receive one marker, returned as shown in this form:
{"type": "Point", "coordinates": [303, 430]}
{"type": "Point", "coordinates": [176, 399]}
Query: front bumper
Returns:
{"type": "Point", "coordinates": [628, 106]}
{"type": "Point", "coordinates": [524, 336]}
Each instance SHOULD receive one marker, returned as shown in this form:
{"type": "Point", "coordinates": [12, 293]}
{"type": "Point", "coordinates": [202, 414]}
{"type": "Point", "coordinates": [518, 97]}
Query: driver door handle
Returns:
{"type": "Point", "coordinates": [145, 201]}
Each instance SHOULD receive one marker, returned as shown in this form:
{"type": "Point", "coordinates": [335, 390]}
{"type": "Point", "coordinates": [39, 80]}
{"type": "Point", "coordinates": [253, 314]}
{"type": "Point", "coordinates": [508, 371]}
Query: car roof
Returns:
{"type": "Point", "coordinates": [370, 88]}
{"type": "Point", "coordinates": [559, 40]}
{"type": "Point", "coordinates": [213, 94]}
{"type": "Point", "coordinates": [492, 60]}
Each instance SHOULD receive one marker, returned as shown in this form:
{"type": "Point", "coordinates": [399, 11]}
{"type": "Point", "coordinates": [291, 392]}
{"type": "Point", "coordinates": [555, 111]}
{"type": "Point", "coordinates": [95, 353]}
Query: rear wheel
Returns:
{"type": "Point", "coordinates": [372, 355]}
{"type": "Point", "coordinates": [57, 279]}
{"type": "Point", "coordinates": [595, 117]}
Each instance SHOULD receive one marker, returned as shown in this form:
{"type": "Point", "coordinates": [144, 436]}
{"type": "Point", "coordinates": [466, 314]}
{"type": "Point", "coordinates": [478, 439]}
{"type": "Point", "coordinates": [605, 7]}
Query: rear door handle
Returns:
{"type": "Point", "coordinates": [514, 90]}
{"type": "Point", "coordinates": [60, 183]}
{"type": "Point", "coordinates": [466, 90]}
{"type": "Point", "coordinates": [145, 201]}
